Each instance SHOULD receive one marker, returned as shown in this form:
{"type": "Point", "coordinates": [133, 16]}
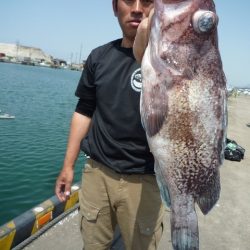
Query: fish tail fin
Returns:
{"type": "Point", "coordinates": [208, 199]}
{"type": "Point", "coordinates": [184, 224]}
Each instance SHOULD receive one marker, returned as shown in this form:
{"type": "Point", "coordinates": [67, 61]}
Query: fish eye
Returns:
{"type": "Point", "coordinates": [204, 21]}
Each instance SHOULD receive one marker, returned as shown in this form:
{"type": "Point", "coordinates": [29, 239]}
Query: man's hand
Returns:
{"type": "Point", "coordinates": [142, 37]}
{"type": "Point", "coordinates": [79, 128]}
{"type": "Point", "coordinates": [63, 184]}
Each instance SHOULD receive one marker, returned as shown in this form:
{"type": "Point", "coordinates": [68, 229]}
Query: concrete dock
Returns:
{"type": "Point", "coordinates": [226, 227]}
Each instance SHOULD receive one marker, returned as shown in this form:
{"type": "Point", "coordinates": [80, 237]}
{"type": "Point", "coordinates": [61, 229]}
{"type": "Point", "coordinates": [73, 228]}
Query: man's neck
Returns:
{"type": "Point", "coordinates": [127, 43]}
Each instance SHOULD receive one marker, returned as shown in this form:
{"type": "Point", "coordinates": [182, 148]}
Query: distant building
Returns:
{"type": "Point", "coordinates": [2, 57]}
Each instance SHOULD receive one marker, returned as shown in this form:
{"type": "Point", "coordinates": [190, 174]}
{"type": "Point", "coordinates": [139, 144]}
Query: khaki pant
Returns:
{"type": "Point", "coordinates": [132, 201]}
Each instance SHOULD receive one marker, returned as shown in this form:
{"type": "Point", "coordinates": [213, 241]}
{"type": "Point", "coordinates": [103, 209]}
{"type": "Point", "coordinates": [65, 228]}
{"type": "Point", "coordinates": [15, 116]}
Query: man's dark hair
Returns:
{"type": "Point", "coordinates": [116, 4]}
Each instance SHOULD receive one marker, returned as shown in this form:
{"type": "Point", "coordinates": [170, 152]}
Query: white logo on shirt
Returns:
{"type": "Point", "coordinates": [136, 80]}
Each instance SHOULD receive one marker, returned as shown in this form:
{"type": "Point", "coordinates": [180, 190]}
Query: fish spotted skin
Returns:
{"type": "Point", "coordinates": [183, 110]}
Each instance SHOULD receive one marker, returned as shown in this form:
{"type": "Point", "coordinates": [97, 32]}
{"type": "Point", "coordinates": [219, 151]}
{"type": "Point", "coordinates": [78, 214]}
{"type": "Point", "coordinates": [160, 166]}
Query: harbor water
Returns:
{"type": "Point", "coordinates": [32, 145]}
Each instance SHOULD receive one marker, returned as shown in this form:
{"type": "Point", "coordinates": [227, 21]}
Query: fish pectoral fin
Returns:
{"type": "Point", "coordinates": [153, 122]}
{"type": "Point", "coordinates": [208, 199]}
{"type": "Point", "coordinates": [154, 108]}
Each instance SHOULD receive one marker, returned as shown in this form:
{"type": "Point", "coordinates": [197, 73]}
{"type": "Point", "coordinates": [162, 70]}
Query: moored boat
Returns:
{"type": "Point", "coordinates": [6, 116]}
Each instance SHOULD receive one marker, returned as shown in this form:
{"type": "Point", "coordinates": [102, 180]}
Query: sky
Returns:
{"type": "Point", "coordinates": [70, 29]}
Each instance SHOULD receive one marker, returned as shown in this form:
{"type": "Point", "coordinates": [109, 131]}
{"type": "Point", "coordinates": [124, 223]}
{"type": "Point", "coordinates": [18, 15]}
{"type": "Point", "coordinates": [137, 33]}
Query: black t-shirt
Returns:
{"type": "Point", "coordinates": [109, 92]}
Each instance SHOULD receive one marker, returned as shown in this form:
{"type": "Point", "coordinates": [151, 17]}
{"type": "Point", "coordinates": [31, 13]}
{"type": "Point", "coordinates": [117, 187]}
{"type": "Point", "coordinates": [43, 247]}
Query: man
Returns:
{"type": "Point", "coordinates": [118, 184]}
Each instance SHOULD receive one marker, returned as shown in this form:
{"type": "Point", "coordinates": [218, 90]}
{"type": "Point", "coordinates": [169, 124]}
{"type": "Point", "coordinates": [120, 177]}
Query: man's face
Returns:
{"type": "Point", "coordinates": [129, 14]}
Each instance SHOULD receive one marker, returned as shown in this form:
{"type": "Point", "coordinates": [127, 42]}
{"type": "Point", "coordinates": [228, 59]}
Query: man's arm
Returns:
{"type": "Point", "coordinates": [142, 37]}
{"type": "Point", "coordinates": [78, 130]}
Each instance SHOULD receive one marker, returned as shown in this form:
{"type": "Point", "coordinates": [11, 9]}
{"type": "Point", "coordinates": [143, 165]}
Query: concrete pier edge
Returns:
{"type": "Point", "coordinates": [32, 223]}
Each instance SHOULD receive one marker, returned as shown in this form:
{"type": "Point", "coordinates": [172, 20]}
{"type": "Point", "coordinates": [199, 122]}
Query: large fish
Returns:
{"type": "Point", "coordinates": [183, 110]}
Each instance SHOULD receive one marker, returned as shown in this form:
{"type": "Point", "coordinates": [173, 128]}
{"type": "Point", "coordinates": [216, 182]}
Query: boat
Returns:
{"type": "Point", "coordinates": [6, 116]}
